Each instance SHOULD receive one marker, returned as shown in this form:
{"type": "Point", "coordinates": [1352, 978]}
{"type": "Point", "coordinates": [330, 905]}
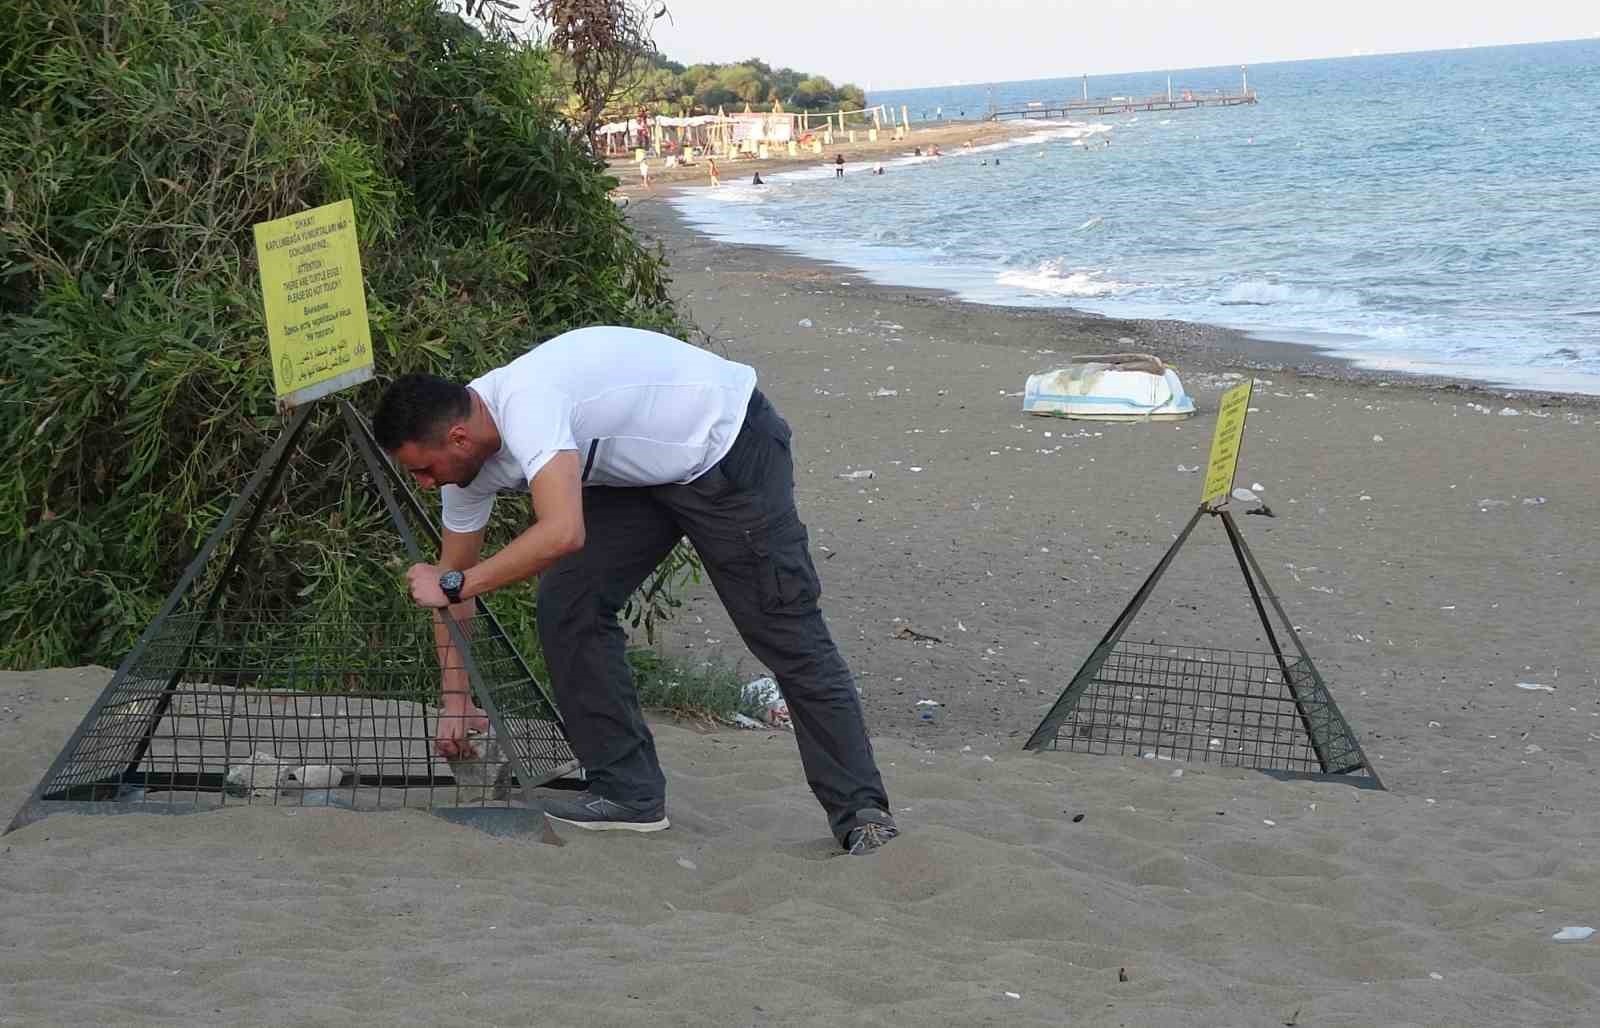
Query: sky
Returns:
{"type": "Point", "coordinates": [891, 44]}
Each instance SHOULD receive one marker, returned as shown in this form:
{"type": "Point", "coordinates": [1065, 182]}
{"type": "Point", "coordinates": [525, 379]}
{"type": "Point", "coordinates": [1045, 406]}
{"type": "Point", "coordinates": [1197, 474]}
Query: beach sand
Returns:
{"type": "Point", "coordinates": [950, 137]}
{"type": "Point", "coordinates": [1425, 573]}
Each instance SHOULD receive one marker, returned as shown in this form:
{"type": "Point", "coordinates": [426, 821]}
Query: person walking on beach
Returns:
{"type": "Point", "coordinates": [644, 172]}
{"type": "Point", "coordinates": [716, 180]}
{"type": "Point", "coordinates": [627, 441]}
{"type": "Point", "coordinates": [838, 166]}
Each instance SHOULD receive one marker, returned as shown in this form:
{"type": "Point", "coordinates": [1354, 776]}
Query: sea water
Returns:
{"type": "Point", "coordinates": [1434, 211]}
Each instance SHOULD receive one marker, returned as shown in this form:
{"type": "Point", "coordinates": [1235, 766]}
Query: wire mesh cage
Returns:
{"type": "Point", "coordinates": [241, 710]}
{"type": "Point", "coordinates": [323, 696]}
{"type": "Point", "coordinates": [1270, 711]}
{"type": "Point", "coordinates": [1229, 707]}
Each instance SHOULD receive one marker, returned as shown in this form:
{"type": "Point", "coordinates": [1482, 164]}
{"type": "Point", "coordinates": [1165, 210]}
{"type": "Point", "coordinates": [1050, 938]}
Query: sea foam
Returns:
{"type": "Point", "coordinates": [1052, 277]}
{"type": "Point", "coordinates": [1275, 294]}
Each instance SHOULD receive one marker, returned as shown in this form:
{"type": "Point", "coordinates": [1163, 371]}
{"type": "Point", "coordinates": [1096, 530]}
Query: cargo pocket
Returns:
{"type": "Point", "coordinates": [784, 434]}
{"type": "Point", "coordinates": [786, 578]}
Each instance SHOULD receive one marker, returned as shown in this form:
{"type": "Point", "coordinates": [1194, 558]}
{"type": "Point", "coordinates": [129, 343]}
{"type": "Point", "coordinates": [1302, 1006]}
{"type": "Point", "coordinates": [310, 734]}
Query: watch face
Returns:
{"type": "Point", "coordinates": [452, 581]}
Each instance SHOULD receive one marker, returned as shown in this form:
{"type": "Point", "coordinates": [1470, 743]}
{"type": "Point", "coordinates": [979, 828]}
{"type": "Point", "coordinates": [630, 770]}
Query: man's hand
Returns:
{"type": "Point", "coordinates": [457, 719]}
{"type": "Point", "coordinates": [424, 582]}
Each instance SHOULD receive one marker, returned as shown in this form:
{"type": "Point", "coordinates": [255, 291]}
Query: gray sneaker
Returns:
{"type": "Point", "coordinates": [598, 814]}
{"type": "Point", "coordinates": [873, 829]}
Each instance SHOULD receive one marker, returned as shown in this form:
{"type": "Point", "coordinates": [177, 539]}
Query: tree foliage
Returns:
{"type": "Point", "coordinates": [670, 88]}
{"type": "Point", "coordinates": [139, 142]}
{"type": "Point", "coordinates": [603, 46]}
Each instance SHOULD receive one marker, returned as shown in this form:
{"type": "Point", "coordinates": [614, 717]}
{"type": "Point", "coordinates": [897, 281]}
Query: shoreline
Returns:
{"type": "Point", "coordinates": [1276, 350]}
{"type": "Point", "coordinates": [1469, 487]}
{"type": "Point", "coordinates": [950, 135]}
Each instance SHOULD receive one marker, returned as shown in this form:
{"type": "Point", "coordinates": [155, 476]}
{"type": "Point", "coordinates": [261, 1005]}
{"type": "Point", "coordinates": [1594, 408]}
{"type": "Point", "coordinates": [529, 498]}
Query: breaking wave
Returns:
{"type": "Point", "coordinates": [1051, 277]}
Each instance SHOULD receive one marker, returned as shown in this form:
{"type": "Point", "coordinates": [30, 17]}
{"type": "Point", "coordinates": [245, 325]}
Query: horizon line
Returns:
{"type": "Point", "coordinates": [1358, 55]}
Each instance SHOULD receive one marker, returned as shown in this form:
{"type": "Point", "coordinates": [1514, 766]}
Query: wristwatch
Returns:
{"type": "Point", "coordinates": [450, 584]}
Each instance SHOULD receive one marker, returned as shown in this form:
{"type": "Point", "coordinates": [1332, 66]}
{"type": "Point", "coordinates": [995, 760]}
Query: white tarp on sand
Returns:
{"type": "Point", "coordinates": [1109, 387]}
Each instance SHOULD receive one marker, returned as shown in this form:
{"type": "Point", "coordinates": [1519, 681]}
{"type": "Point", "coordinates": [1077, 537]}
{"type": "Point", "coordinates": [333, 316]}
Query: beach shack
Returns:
{"type": "Point", "coordinates": [665, 134]}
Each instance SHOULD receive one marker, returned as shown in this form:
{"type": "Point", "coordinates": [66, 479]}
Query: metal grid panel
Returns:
{"type": "Point", "coordinates": [299, 704]}
{"type": "Point", "coordinates": [263, 712]}
{"type": "Point", "coordinates": [1228, 707]}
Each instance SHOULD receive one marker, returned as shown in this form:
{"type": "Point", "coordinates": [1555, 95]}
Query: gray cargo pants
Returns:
{"type": "Point", "coordinates": [741, 517]}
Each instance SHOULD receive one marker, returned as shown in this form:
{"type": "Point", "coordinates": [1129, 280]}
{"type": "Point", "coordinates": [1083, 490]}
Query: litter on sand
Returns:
{"type": "Point", "coordinates": [1109, 387]}
{"type": "Point", "coordinates": [1536, 687]}
{"type": "Point", "coordinates": [763, 694]}
{"type": "Point", "coordinates": [263, 773]}
{"type": "Point", "coordinates": [260, 774]}
{"type": "Point", "coordinates": [314, 776]}
{"type": "Point", "coordinates": [1573, 933]}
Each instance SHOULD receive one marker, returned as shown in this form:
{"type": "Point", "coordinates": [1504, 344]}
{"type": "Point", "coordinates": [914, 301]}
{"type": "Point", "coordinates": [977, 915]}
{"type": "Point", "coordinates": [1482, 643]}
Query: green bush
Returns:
{"type": "Point", "coordinates": [707, 692]}
{"type": "Point", "coordinates": [139, 142]}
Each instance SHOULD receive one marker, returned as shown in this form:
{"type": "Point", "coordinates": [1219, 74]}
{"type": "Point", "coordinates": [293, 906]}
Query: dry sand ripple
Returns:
{"type": "Point", "coordinates": [1342, 910]}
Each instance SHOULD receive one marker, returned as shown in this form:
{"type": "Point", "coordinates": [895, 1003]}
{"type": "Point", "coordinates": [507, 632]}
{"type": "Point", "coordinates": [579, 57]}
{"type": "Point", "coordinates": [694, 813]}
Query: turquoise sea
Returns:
{"type": "Point", "coordinates": [1427, 211]}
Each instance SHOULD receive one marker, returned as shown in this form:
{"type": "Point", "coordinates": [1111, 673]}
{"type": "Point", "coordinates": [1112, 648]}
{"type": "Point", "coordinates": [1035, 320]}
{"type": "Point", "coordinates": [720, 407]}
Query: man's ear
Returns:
{"type": "Point", "coordinates": [456, 435]}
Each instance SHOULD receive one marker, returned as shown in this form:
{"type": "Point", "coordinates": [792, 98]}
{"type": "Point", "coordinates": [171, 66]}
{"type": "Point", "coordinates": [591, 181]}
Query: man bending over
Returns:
{"type": "Point", "coordinates": [628, 441]}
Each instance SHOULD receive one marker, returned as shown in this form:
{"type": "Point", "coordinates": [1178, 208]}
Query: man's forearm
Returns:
{"type": "Point", "coordinates": [454, 680]}
{"type": "Point", "coordinates": [529, 554]}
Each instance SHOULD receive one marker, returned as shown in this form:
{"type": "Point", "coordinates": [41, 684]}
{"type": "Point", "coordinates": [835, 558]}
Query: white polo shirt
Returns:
{"type": "Point", "coordinates": [640, 409]}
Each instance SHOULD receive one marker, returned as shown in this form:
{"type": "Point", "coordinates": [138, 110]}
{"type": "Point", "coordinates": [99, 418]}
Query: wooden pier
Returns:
{"type": "Point", "coordinates": [1123, 105]}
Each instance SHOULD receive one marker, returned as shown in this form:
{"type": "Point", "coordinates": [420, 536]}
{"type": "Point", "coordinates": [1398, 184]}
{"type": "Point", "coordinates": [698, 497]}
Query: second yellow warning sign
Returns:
{"type": "Point", "coordinates": [1231, 411]}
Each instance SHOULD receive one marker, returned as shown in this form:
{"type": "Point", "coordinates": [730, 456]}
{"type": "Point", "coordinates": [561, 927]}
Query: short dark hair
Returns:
{"type": "Point", "coordinates": [417, 409]}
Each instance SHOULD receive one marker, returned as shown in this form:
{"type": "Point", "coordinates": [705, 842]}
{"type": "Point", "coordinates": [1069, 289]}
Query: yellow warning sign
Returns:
{"type": "Point", "coordinates": [1225, 444]}
{"type": "Point", "coordinates": [316, 303]}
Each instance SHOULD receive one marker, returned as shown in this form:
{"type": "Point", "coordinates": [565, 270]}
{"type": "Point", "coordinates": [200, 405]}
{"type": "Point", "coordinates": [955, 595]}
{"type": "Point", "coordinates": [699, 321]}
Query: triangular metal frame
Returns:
{"type": "Point", "coordinates": [268, 476]}
{"type": "Point", "coordinates": [1316, 716]}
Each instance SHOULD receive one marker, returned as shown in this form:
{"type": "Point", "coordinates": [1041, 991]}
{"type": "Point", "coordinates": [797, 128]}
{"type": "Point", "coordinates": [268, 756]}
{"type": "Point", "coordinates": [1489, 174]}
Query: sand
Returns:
{"type": "Point", "coordinates": [1228, 898]}
{"type": "Point", "coordinates": [950, 137]}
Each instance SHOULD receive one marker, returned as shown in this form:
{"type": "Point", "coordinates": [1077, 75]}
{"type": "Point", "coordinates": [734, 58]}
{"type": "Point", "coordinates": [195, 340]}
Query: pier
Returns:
{"type": "Point", "coordinates": [1123, 105]}
{"type": "Point", "coordinates": [1180, 100]}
